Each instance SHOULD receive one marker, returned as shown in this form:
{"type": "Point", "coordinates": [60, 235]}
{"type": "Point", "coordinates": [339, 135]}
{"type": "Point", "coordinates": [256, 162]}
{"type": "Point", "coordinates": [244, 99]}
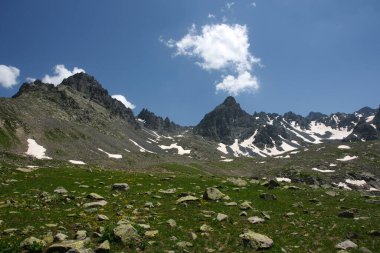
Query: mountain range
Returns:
{"type": "Point", "coordinates": [79, 121]}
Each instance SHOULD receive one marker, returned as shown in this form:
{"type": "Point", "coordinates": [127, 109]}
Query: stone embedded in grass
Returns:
{"type": "Point", "coordinates": [245, 205]}
{"type": "Point", "coordinates": [206, 228]}
{"type": "Point", "coordinates": [102, 217]}
{"type": "Point", "coordinates": [268, 196]}
{"type": "Point", "coordinates": [230, 204]}
{"type": "Point", "coordinates": [347, 244]}
{"type": "Point", "coordinates": [120, 186]}
{"type": "Point", "coordinates": [60, 237]}
{"type": "Point", "coordinates": [94, 196]}
{"type": "Point", "coordinates": [104, 247]}
{"type": "Point", "coordinates": [172, 223]}
{"type": "Point", "coordinates": [256, 241]}
{"type": "Point", "coordinates": [212, 193]}
{"type": "Point", "coordinates": [221, 217]}
{"type": "Point", "coordinates": [332, 193]}
{"type": "Point", "coordinates": [255, 220]}
{"type": "Point", "coordinates": [168, 191]}
{"type": "Point", "coordinates": [237, 181]}
{"type": "Point", "coordinates": [32, 243]}
{"type": "Point", "coordinates": [184, 244]}
{"type": "Point", "coordinates": [81, 234]}
{"type": "Point", "coordinates": [127, 234]}
{"type": "Point", "coordinates": [346, 214]}
{"type": "Point", "coordinates": [60, 190]}
{"type": "Point", "coordinates": [374, 233]}
{"type": "Point", "coordinates": [95, 204]}
{"type": "Point", "coordinates": [186, 199]}
{"type": "Point", "coordinates": [151, 233]}
{"type": "Point", "coordinates": [67, 245]}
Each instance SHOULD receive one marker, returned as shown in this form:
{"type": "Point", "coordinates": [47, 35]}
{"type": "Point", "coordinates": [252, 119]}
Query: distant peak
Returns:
{"type": "Point", "coordinates": [230, 101]}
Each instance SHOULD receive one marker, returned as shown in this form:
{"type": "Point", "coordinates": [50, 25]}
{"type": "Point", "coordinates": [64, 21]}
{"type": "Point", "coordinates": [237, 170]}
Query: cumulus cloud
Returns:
{"type": "Point", "coordinates": [210, 15]}
{"type": "Point", "coordinates": [8, 76]}
{"type": "Point", "coordinates": [245, 82]}
{"type": "Point", "coordinates": [60, 73]}
{"type": "Point", "coordinates": [221, 47]}
{"type": "Point", "coordinates": [122, 99]}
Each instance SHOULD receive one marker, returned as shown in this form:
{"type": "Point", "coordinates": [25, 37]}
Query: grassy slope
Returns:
{"type": "Point", "coordinates": [318, 230]}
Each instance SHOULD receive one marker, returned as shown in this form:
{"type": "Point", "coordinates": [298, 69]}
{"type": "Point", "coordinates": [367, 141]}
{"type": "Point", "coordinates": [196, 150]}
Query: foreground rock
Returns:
{"type": "Point", "coordinates": [31, 243]}
{"type": "Point", "coordinates": [104, 247]}
{"type": "Point", "coordinates": [120, 186]}
{"type": "Point", "coordinates": [94, 196]}
{"type": "Point", "coordinates": [65, 246]}
{"type": "Point", "coordinates": [186, 199]}
{"type": "Point", "coordinates": [212, 193]}
{"type": "Point", "coordinates": [127, 234]}
{"type": "Point", "coordinates": [237, 181]}
{"type": "Point", "coordinates": [347, 244]}
{"type": "Point", "coordinates": [256, 241]}
{"type": "Point", "coordinates": [95, 204]}
{"type": "Point", "coordinates": [268, 196]}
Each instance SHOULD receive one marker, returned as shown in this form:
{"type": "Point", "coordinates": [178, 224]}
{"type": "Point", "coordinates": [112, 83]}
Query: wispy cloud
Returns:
{"type": "Point", "coordinates": [8, 76]}
{"type": "Point", "coordinates": [221, 47]}
{"type": "Point", "coordinates": [60, 73]}
{"type": "Point", "coordinates": [230, 4]}
{"type": "Point", "coordinates": [122, 99]}
{"type": "Point", "coordinates": [210, 15]}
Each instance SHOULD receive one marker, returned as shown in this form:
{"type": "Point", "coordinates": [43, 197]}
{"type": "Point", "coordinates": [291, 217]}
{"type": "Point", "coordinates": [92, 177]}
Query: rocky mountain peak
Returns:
{"type": "Point", "coordinates": [157, 123]}
{"type": "Point", "coordinates": [230, 101]}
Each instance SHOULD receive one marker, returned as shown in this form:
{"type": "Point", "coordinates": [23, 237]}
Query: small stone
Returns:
{"type": "Point", "coordinates": [127, 234]}
{"type": "Point", "coordinates": [172, 223]}
{"type": "Point", "coordinates": [268, 196]}
{"type": "Point", "coordinates": [193, 236]}
{"type": "Point", "coordinates": [81, 234]}
{"type": "Point", "coordinates": [332, 193]}
{"type": "Point", "coordinates": [374, 233]}
{"type": "Point", "coordinates": [102, 217]}
{"type": "Point", "coordinates": [347, 244]}
{"type": "Point", "coordinates": [65, 246]}
{"type": "Point", "coordinates": [243, 213]}
{"type": "Point", "coordinates": [212, 193]}
{"type": "Point", "coordinates": [256, 241]}
{"type": "Point", "coordinates": [364, 250]}
{"type": "Point", "coordinates": [31, 242]}
{"type": "Point", "coordinates": [230, 204]}
{"type": "Point", "coordinates": [60, 190]}
{"type": "Point", "coordinates": [60, 237]}
{"type": "Point", "coordinates": [151, 233]}
{"type": "Point", "coordinates": [186, 199]}
{"type": "Point", "coordinates": [237, 181]}
{"type": "Point", "coordinates": [245, 205]}
{"type": "Point", "coordinates": [346, 214]}
{"type": "Point", "coordinates": [95, 204]}
{"type": "Point", "coordinates": [221, 217]}
{"type": "Point", "coordinates": [94, 196]}
{"type": "Point", "coordinates": [206, 228]}
{"type": "Point", "coordinates": [255, 220]}
{"type": "Point", "coordinates": [184, 244]}
{"type": "Point", "coordinates": [120, 186]}
{"type": "Point", "coordinates": [104, 247]}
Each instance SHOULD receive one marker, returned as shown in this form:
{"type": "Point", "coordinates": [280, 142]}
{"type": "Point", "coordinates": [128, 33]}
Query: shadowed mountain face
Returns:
{"type": "Point", "coordinates": [157, 123]}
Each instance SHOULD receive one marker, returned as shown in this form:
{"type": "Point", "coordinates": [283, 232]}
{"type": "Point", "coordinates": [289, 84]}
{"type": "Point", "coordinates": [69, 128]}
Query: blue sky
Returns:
{"type": "Point", "coordinates": [314, 55]}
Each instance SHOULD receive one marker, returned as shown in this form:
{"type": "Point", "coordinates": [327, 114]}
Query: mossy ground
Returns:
{"type": "Point", "coordinates": [312, 228]}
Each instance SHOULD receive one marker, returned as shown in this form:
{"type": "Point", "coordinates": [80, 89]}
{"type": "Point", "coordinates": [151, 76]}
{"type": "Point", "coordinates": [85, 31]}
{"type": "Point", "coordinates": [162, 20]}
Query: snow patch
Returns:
{"type": "Point", "coordinates": [344, 147]}
{"type": "Point", "coordinates": [344, 186]}
{"type": "Point", "coordinates": [36, 150]}
{"type": "Point", "coordinates": [370, 118]}
{"type": "Point", "coordinates": [115, 156]}
{"type": "Point", "coordinates": [332, 165]}
{"type": "Point", "coordinates": [222, 148]}
{"type": "Point", "coordinates": [323, 171]}
{"type": "Point", "coordinates": [283, 179]}
{"type": "Point", "coordinates": [227, 160]}
{"type": "Point", "coordinates": [143, 150]}
{"type": "Point", "coordinates": [180, 149]}
{"type": "Point", "coordinates": [356, 182]}
{"type": "Point", "coordinates": [347, 158]}
{"type": "Point", "coordinates": [77, 162]}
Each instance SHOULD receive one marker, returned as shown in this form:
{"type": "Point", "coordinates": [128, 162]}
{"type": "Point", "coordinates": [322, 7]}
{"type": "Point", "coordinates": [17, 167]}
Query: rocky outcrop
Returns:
{"type": "Point", "coordinates": [157, 123]}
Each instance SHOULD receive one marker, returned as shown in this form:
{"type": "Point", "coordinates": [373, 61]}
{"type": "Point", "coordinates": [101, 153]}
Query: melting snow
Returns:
{"type": "Point", "coordinates": [322, 129]}
{"type": "Point", "coordinates": [116, 156]}
{"type": "Point", "coordinates": [332, 165]}
{"type": "Point", "coordinates": [180, 149]}
{"type": "Point", "coordinates": [222, 148]}
{"type": "Point", "coordinates": [227, 160]}
{"type": "Point", "coordinates": [347, 158]}
{"type": "Point", "coordinates": [36, 150]}
{"type": "Point", "coordinates": [344, 186]}
{"type": "Point", "coordinates": [141, 120]}
{"type": "Point", "coordinates": [143, 150]}
{"type": "Point", "coordinates": [356, 182]}
{"type": "Point", "coordinates": [76, 162]}
{"type": "Point", "coordinates": [370, 118]}
{"type": "Point", "coordinates": [323, 171]}
{"type": "Point", "coordinates": [283, 179]}
{"type": "Point", "coordinates": [344, 147]}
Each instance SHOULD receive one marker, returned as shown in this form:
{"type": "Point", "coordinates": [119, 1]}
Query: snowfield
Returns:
{"type": "Point", "coordinates": [77, 162]}
{"type": "Point", "coordinates": [347, 158]}
{"type": "Point", "coordinates": [115, 156]}
{"type": "Point", "coordinates": [36, 150]}
{"type": "Point", "coordinates": [181, 150]}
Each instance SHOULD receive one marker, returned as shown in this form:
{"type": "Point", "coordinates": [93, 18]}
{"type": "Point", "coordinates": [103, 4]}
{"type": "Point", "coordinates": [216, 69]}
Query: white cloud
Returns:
{"type": "Point", "coordinates": [122, 99]}
{"type": "Point", "coordinates": [253, 4]}
{"type": "Point", "coordinates": [60, 73]}
{"type": "Point", "coordinates": [8, 76]}
{"type": "Point", "coordinates": [221, 47]}
{"type": "Point", "coordinates": [245, 82]}
{"type": "Point", "coordinates": [229, 5]}
{"type": "Point", "coordinates": [211, 15]}
{"type": "Point", "coordinates": [30, 79]}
